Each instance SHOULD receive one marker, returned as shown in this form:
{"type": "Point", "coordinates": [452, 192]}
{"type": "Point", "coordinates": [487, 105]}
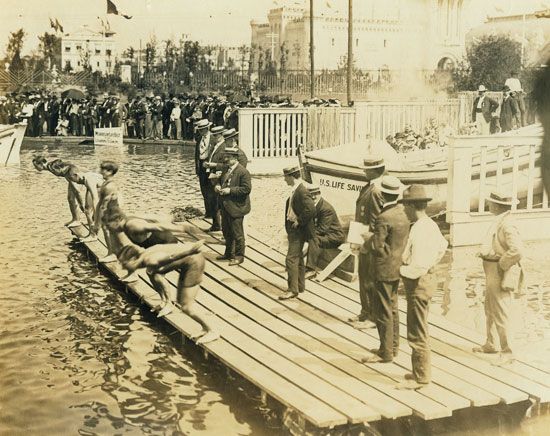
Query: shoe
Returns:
{"type": "Point", "coordinates": [208, 337]}
{"type": "Point", "coordinates": [214, 229]}
{"type": "Point", "coordinates": [358, 318]}
{"type": "Point", "coordinates": [311, 274]}
{"type": "Point", "coordinates": [364, 325]}
{"type": "Point", "coordinates": [236, 261]}
{"type": "Point", "coordinates": [288, 295]}
{"type": "Point", "coordinates": [375, 358]}
{"type": "Point", "coordinates": [411, 385]}
{"type": "Point", "coordinates": [73, 224]}
{"type": "Point", "coordinates": [485, 349]}
{"type": "Point", "coordinates": [108, 259]}
{"type": "Point", "coordinates": [409, 376]}
{"type": "Point", "coordinates": [224, 257]}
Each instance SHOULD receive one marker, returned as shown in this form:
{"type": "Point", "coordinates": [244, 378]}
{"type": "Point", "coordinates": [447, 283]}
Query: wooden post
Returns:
{"type": "Point", "coordinates": [246, 132]}
{"type": "Point", "coordinates": [350, 51]}
{"type": "Point", "coordinates": [311, 52]}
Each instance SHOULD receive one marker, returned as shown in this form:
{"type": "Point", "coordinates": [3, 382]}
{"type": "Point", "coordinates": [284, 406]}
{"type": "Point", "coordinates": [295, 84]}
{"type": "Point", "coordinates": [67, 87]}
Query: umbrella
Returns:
{"type": "Point", "coordinates": [73, 94]}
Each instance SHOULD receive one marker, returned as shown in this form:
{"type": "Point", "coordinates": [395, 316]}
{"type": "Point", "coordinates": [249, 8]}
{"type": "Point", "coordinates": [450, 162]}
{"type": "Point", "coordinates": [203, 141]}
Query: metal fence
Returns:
{"type": "Point", "coordinates": [42, 79]}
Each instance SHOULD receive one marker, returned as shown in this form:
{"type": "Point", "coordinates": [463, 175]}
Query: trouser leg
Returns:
{"type": "Point", "coordinates": [492, 288]}
{"type": "Point", "coordinates": [387, 321]}
{"type": "Point", "coordinates": [365, 287]}
{"type": "Point", "coordinates": [228, 235]}
{"type": "Point", "coordinates": [237, 231]}
{"type": "Point", "coordinates": [295, 263]}
{"type": "Point", "coordinates": [313, 254]}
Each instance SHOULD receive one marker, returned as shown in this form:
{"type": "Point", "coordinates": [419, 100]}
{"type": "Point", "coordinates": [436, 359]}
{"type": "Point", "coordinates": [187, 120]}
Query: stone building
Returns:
{"type": "Point", "coordinates": [393, 34]}
{"type": "Point", "coordinates": [95, 47]}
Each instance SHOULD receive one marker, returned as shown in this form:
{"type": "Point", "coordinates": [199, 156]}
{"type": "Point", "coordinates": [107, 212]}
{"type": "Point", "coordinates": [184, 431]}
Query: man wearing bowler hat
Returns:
{"type": "Point", "coordinates": [299, 214]}
{"type": "Point", "coordinates": [483, 111]}
{"type": "Point", "coordinates": [230, 137]}
{"type": "Point", "coordinates": [387, 244]}
{"type": "Point", "coordinates": [234, 198]}
{"type": "Point", "coordinates": [501, 252]}
{"type": "Point", "coordinates": [424, 249]}
{"type": "Point", "coordinates": [367, 208]}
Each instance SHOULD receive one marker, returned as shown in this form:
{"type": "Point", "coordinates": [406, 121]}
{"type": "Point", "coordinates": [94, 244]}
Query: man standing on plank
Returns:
{"type": "Point", "coordinates": [425, 248]}
{"type": "Point", "coordinates": [92, 181]}
{"type": "Point", "coordinates": [328, 231]}
{"type": "Point", "coordinates": [211, 165]}
{"type": "Point", "coordinates": [162, 259]}
{"type": "Point", "coordinates": [387, 244]}
{"type": "Point", "coordinates": [299, 214]}
{"type": "Point", "coordinates": [234, 197]}
{"type": "Point", "coordinates": [501, 252]}
{"type": "Point", "coordinates": [367, 208]}
{"type": "Point", "coordinates": [108, 202]}
{"type": "Point", "coordinates": [202, 149]}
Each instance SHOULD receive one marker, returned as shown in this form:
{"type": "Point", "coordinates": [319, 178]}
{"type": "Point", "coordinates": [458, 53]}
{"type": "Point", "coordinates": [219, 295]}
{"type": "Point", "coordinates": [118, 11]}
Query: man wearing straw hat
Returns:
{"type": "Point", "coordinates": [483, 110]}
{"type": "Point", "coordinates": [387, 244]}
{"type": "Point", "coordinates": [214, 163]}
{"type": "Point", "coordinates": [202, 148]}
{"type": "Point", "coordinates": [230, 138]}
{"type": "Point", "coordinates": [424, 249]}
{"type": "Point", "coordinates": [367, 208]}
{"type": "Point", "coordinates": [501, 254]}
{"type": "Point", "coordinates": [299, 214]}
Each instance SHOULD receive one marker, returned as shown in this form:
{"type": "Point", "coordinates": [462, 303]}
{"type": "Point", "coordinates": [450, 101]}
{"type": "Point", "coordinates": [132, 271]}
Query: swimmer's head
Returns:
{"type": "Point", "coordinates": [129, 257]}
{"type": "Point", "coordinates": [116, 221]}
{"type": "Point", "coordinates": [72, 173]}
{"type": "Point", "coordinates": [57, 167]}
{"type": "Point", "coordinates": [108, 168]}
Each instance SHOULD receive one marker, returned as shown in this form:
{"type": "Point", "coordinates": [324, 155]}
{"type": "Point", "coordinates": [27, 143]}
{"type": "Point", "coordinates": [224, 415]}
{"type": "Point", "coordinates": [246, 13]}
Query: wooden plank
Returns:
{"type": "Point", "coordinates": [531, 177]}
{"type": "Point", "coordinates": [510, 394]}
{"type": "Point", "coordinates": [314, 410]}
{"type": "Point", "coordinates": [482, 178]}
{"type": "Point", "coordinates": [515, 175]}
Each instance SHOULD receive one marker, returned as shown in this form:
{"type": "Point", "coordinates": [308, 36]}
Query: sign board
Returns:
{"type": "Point", "coordinates": [108, 136]}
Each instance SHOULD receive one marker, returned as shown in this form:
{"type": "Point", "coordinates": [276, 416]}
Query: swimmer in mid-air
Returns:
{"type": "Point", "coordinates": [163, 258]}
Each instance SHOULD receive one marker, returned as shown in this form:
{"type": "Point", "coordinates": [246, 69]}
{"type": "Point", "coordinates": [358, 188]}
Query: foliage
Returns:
{"type": "Point", "coordinates": [150, 53]}
{"type": "Point", "coordinates": [13, 50]}
{"type": "Point", "coordinates": [488, 62]}
{"type": "Point", "coordinates": [50, 48]}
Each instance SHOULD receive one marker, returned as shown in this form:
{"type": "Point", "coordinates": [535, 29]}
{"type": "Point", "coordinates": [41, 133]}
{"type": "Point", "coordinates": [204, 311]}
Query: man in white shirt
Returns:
{"type": "Point", "coordinates": [424, 249]}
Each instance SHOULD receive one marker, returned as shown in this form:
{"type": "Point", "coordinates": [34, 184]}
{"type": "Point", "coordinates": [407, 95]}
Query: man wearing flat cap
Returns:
{"type": "Point", "coordinates": [234, 198]}
{"type": "Point", "coordinates": [328, 231]}
{"type": "Point", "coordinates": [367, 208]}
{"type": "Point", "coordinates": [387, 244]}
{"type": "Point", "coordinates": [299, 214]}
{"type": "Point", "coordinates": [502, 252]}
{"type": "Point", "coordinates": [424, 249]}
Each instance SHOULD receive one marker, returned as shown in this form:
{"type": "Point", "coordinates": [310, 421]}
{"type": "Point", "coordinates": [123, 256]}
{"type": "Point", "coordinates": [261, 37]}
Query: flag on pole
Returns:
{"type": "Point", "coordinates": [58, 25]}
{"type": "Point", "coordinates": [112, 9]}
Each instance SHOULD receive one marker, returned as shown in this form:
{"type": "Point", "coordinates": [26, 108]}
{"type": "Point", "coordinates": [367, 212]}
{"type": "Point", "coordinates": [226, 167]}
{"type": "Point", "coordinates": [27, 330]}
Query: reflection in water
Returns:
{"type": "Point", "coordinates": [79, 356]}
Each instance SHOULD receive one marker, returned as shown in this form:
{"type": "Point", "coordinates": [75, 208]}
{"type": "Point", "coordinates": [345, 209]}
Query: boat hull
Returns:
{"type": "Point", "coordinates": [11, 138]}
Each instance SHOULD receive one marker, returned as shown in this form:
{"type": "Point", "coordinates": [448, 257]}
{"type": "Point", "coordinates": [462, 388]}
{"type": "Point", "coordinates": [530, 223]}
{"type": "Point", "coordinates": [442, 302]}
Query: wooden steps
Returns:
{"type": "Point", "coordinates": [304, 354]}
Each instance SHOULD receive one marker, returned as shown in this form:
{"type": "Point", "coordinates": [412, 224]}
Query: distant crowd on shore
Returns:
{"type": "Point", "coordinates": [145, 117]}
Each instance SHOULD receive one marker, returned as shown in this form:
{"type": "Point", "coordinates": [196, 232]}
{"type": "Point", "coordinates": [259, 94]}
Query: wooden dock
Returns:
{"type": "Point", "coordinates": [303, 353]}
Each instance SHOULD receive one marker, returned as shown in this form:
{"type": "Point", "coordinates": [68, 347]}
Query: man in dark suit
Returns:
{"type": "Point", "coordinates": [509, 111]}
{"type": "Point", "coordinates": [230, 140]}
{"type": "Point", "coordinates": [328, 231]}
{"type": "Point", "coordinates": [299, 214]}
{"type": "Point", "coordinates": [367, 208]}
{"type": "Point", "coordinates": [54, 115]}
{"type": "Point", "coordinates": [234, 198]}
{"type": "Point", "coordinates": [213, 164]}
{"type": "Point", "coordinates": [387, 244]}
{"type": "Point", "coordinates": [483, 110]}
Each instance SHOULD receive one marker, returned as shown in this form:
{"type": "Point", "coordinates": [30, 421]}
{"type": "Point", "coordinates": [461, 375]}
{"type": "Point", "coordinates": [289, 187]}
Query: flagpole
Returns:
{"type": "Point", "coordinates": [311, 52]}
{"type": "Point", "coordinates": [350, 51]}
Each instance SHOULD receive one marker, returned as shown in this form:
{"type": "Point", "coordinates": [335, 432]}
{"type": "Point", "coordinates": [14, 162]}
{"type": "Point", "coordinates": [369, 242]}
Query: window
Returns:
{"type": "Point", "coordinates": [333, 42]}
{"type": "Point", "coordinates": [356, 42]}
{"type": "Point", "coordinates": [385, 43]}
{"type": "Point", "coordinates": [67, 49]}
{"type": "Point", "coordinates": [97, 51]}
{"type": "Point", "coordinates": [79, 47]}
{"type": "Point", "coordinates": [78, 63]}
{"type": "Point", "coordinates": [98, 64]}
{"type": "Point", "coordinates": [108, 63]}
{"type": "Point", "coordinates": [108, 52]}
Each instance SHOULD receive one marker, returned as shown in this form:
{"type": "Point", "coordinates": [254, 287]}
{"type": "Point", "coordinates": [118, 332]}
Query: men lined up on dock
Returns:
{"type": "Point", "coordinates": [401, 244]}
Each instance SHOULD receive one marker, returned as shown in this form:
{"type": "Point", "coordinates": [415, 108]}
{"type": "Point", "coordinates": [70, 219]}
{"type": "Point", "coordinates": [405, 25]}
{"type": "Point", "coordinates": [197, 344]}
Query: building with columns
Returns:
{"type": "Point", "coordinates": [392, 34]}
{"type": "Point", "coordinates": [96, 47]}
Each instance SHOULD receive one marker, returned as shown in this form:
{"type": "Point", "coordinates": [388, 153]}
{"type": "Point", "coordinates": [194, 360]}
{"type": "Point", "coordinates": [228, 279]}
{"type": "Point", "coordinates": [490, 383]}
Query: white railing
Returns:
{"type": "Point", "coordinates": [507, 163]}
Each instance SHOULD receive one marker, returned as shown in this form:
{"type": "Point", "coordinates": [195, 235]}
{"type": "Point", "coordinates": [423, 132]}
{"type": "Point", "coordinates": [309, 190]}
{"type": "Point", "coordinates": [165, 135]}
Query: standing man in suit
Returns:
{"type": "Point", "coordinates": [501, 253]}
{"type": "Point", "coordinates": [328, 231]}
{"type": "Point", "coordinates": [299, 214]}
{"type": "Point", "coordinates": [387, 244]}
{"type": "Point", "coordinates": [213, 164]}
{"type": "Point", "coordinates": [483, 111]}
{"type": "Point", "coordinates": [54, 115]}
{"type": "Point", "coordinates": [202, 150]}
{"type": "Point", "coordinates": [367, 208]}
{"type": "Point", "coordinates": [425, 248]}
{"type": "Point", "coordinates": [234, 198]}
{"type": "Point", "coordinates": [509, 111]}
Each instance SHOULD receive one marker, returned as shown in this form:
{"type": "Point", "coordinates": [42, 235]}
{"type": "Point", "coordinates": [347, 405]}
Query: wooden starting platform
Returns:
{"type": "Point", "coordinates": [303, 353]}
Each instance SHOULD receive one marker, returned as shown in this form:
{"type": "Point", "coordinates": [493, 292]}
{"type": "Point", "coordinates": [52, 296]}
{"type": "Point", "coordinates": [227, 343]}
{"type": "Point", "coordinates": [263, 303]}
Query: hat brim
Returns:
{"type": "Point", "coordinates": [414, 200]}
{"type": "Point", "coordinates": [234, 135]}
{"type": "Point", "coordinates": [372, 167]}
{"type": "Point", "coordinates": [390, 191]}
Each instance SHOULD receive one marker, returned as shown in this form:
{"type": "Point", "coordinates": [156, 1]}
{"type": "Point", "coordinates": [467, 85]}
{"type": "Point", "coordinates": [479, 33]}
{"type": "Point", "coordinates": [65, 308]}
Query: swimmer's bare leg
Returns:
{"type": "Point", "coordinates": [161, 286]}
{"type": "Point", "coordinates": [111, 243]}
{"type": "Point", "coordinates": [89, 212]}
{"type": "Point", "coordinates": [73, 207]}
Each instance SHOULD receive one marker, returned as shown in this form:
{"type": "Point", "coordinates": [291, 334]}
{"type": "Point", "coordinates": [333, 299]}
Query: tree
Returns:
{"type": "Point", "coordinates": [190, 57]}
{"type": "Point", "coordinates": [50, 47]}
{"type": "Point", "coordinates": [170, 56]}
{"type": "Point", "coordinates": [489, 61]}
{"type": "Point", "coordinates": [13, 50]}
{"type": "Point", "coordinates": [283, 58]}
{"type": "Point", "coordinates": [150, 53]}
{"type": "Point", "coordinates": [129, 54]}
